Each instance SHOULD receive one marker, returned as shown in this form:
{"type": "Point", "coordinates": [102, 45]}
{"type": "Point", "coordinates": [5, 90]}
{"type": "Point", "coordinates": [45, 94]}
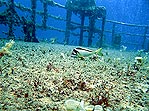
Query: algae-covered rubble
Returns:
{"type": "Point", "coordinates": [5, 49]}
{"type": "Point", "coordinates": [45, 77]}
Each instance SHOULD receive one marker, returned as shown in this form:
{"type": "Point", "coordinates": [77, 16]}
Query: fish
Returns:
{"type": "Point", "coordinates": [81, 52]}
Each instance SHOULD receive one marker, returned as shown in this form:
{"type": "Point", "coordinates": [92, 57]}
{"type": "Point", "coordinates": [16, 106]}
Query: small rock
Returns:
{"type": "Point", "coordinates": [89, 108]}
{"type": "Point", "coordinates": [98, 108]}
{"type": "Point", "coordinates": [62, 55]}
{"type": "Point", "coordinates": [73, 105]}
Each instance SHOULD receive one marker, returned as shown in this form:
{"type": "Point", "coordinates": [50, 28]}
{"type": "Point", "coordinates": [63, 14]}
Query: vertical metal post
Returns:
{"type": "Point", "coordinates": [68, 24]}
{"type": "Point", "coordinates": [11, 22]}
{"type": "Point", "coordinates": [45, 16]}
{"type": "Point", "coordinates": [102, 31]}
{"type": "Point", "coordinates": [91, 30]}
{"type": "Point", "coordinates": [33, 19]}
{"type": "Point", "coordinates": [81, 29]}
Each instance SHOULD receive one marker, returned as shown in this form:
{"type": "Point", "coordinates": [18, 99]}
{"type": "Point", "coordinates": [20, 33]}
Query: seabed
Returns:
{"type": "Point", "coordinates": [43, 76]}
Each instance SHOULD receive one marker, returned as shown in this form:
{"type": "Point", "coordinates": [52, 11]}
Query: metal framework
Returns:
{"type": "Point", "coordinates": [10, 18]}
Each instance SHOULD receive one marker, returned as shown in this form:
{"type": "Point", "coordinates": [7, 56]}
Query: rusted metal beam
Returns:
{"type": "Point", "coordinates": [81, 30]}
{"type": "Point", "coordinates": [68, 25]}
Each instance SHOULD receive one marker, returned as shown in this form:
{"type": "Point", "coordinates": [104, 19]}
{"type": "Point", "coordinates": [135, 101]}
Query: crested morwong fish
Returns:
{"type": "Point", "coordinates": [81, 52]}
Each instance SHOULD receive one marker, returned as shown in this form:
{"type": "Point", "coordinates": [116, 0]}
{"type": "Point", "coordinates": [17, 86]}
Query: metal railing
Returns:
{"type": "Point", "coordinates": [45, 15]}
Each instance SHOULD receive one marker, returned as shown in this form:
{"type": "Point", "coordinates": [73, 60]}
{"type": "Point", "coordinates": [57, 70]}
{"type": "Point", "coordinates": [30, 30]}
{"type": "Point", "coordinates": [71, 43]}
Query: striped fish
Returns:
{"type": "Point", "coordinates": [81, 52]}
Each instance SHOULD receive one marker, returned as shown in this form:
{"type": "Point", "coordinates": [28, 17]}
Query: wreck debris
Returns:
{"type": "Point", "coordinates": [89, 10]}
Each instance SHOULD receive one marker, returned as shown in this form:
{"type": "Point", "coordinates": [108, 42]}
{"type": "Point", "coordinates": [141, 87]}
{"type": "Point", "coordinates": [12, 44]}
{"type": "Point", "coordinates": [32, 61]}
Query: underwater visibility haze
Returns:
{"type": "Point", "coordinates": [74, 55]}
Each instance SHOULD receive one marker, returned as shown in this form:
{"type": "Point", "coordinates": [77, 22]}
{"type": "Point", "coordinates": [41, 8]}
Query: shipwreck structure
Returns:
{"type": "Point", "coordinates": [82, 9]}
{"type": "Point", "coordinates": [85, 8]}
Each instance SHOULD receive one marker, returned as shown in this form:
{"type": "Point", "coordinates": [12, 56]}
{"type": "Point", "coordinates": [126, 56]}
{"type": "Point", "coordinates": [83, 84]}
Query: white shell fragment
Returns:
{"type": "Point", "coordinates": [73, 105]}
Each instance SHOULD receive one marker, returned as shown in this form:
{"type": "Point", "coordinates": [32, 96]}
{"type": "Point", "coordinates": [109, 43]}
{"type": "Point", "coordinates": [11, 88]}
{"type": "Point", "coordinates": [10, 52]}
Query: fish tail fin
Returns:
{"type": "Point", "coordinates": [98, 52]}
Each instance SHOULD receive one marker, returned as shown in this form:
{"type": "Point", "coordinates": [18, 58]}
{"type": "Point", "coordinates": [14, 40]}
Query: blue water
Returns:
{"type": "Point", "coordinates": [126, 11]}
